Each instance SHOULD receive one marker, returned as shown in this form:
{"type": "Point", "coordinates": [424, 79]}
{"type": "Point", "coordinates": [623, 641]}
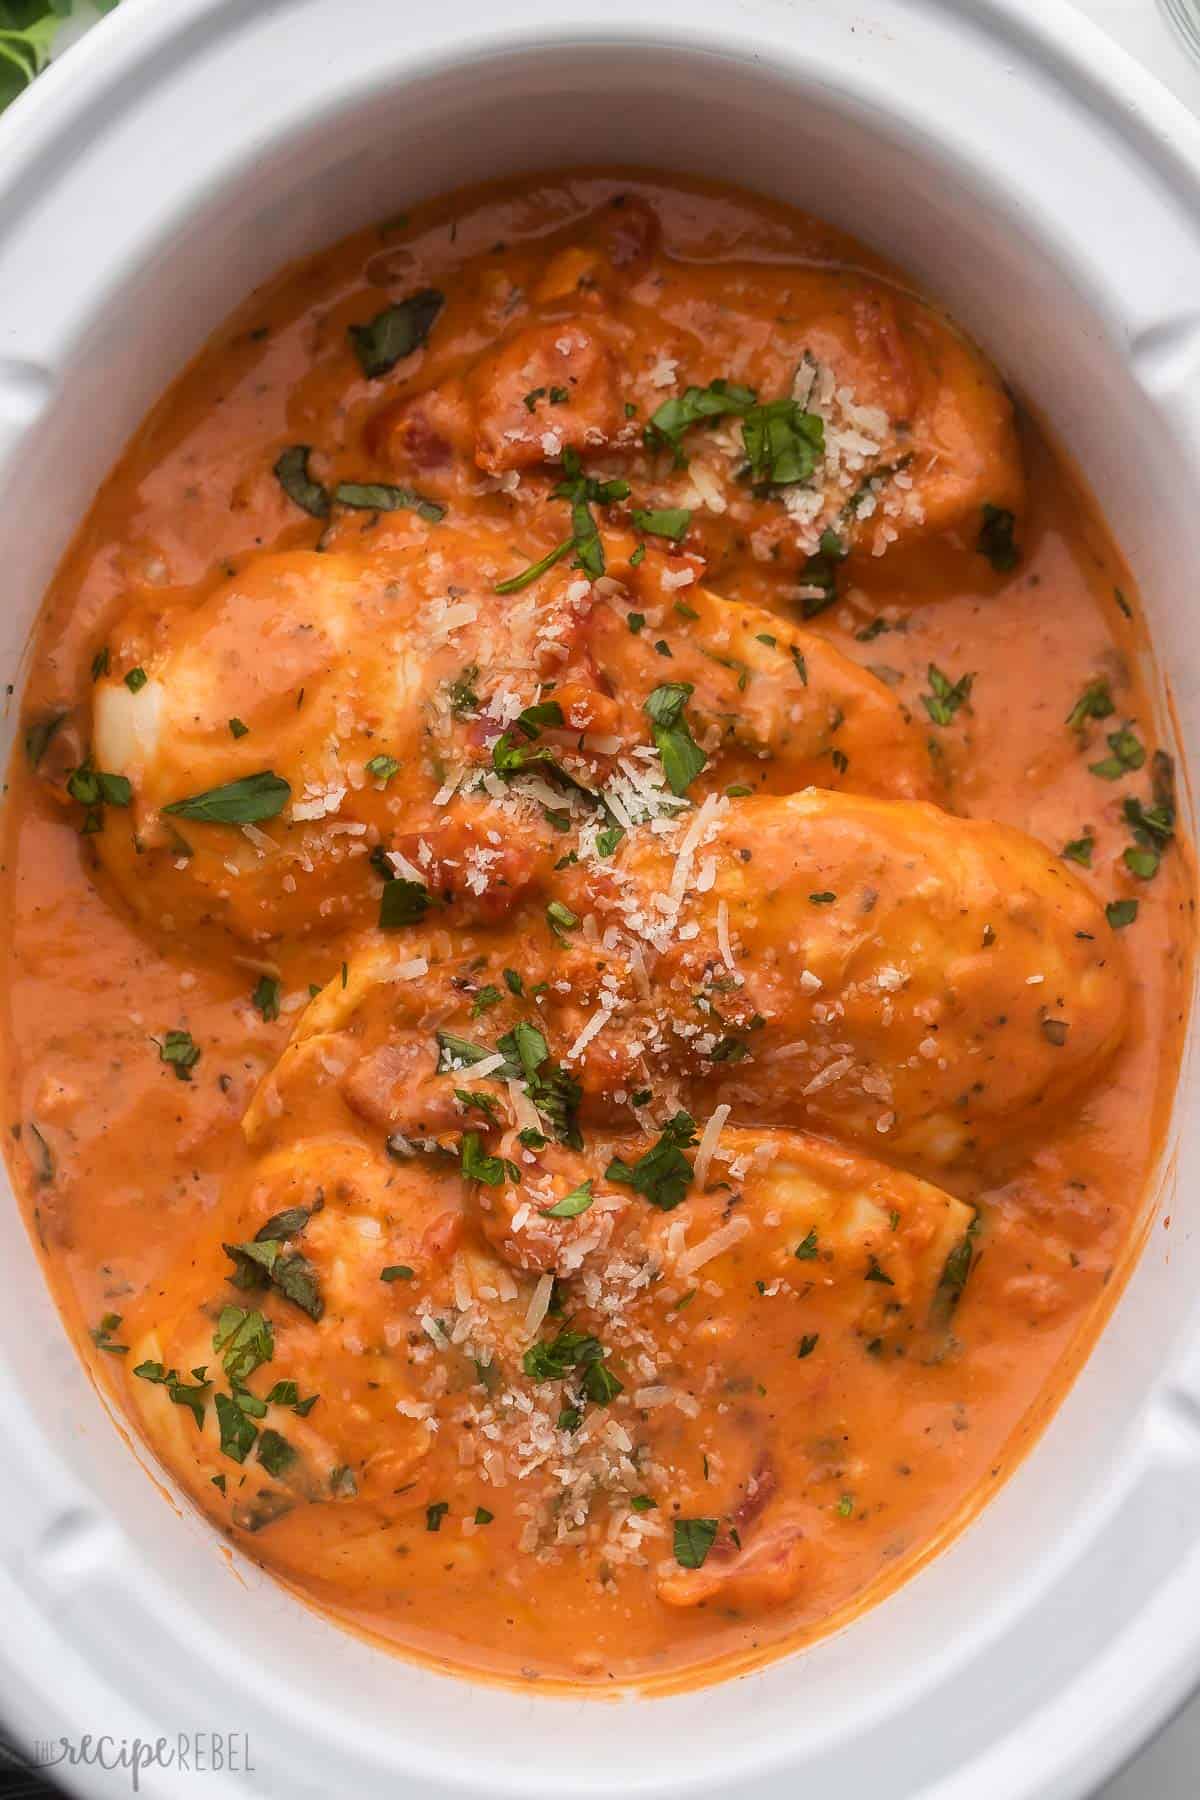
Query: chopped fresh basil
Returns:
{"type": "Point", "coordinates": [274, 1452]}
{"type": "Point", "coordinates": [953, 1279]}
{"type": "Point", "coordinates": [237, 728]}
{"type": "Point", "coordinates": [136, 679]}
{"type": "Point", "coordinates": [181, 1051]}
{"type": "Point", "coordinates": [476, 1166]}
{"type": "Point", "coordinates": [379, 496]}
{"type": "Point", "coordinates": [395, 332]}
{"type": "Point", "coordinates": [682, 758]}
{"type": "Point", "coordinates": [663, 1173]}
{"type": "Point", "coordinates": [783, 442]}
{"type": "Point", "coordinates": [668, 521]}
{"type": "Point", "coordinates": [1120, 913]}
{"type": "Point", "coordinates": [402, 902]}
{"type": "Point", "coordinates": [265, 998]}
{"type": "Point", "coordinates": [808, 1344]}
{"type": "Point", "coordinates": [1095, 702]}
{"type": "Point", "coordinates": [572, 1204]}
{"type": "Point", "coordinates": [396, 1272]}
{"type": "Point", "coordinates": [383, 767]}
{"type": "Point", "coordinates": [237, 1433]}
{"type": "Point", "coordinates": [695, 405]}
{"type": "Point", "coordinates": [291, 472]}
{"type": "Point", "coordinates": [806, 1249]}
{"type": "Point", "coordinates": [947, 695]}
{"type": "Point", "coordinates": [102, 1335]}
{"type": "Point", "coordinates": [1080, 849]}
{"type": "Point", "coordinates": [1128, 754]}
{"type": "Point", "coordinates": [693, 1539]}
{"type": "Point", "coordinates": [244, 802]}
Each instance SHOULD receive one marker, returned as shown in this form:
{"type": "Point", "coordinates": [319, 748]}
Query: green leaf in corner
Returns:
{"type": "Point", "coordinates": [396, 332]}
{"type": "Point", "coordinates": [245, 802]}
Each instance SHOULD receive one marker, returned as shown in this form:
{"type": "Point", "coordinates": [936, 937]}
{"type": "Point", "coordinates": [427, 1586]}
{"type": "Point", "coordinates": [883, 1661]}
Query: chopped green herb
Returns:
{"type": "Point", "coordinates": [1095, 702]}
{"type": "Point", "coordinates": [435, 1514]}
{"type": "Point", "coordinates": [396, 1272]}
{"type": "Point", "coordinates": [383, 767]}
{"type": "Point", "coordinates": [668, 521]}
{"type": "Point", "coordinates": [663, 1173]}
{"type": "Point", "coordinates": [675, 416]}
{"type": "Point", "coordinates": [1079, 850]}
{"type": "Point", "coordinates": [808, 1344]}
{"type": "Point", "coordinates": [783, 442]}
{"type": "Point", "coordinates": [806, 1249]}
{"type": "Point", "coordinates": [682, 758]}
{"type": "Point", "coordinates": [395, 332]}
{"type": "Point", "coordinates": [642, 1503]}
{"type": "Point", "coordinates": [102, 1335]}
{"type": "Point", "coordinates": [181, 1051]}
{"type": "Point", "coordinates": [876, 1273]}
{"type": "Point", "coordinates": [402, 902]}
{"type": "Point", "coordinates": [483, 1516]}
{"type": "Point", "coordinates": [1128, 754]}
{"type": "Point", "coordinates": [947, 695]}
{"type": "Point", "coordinates": [1120, 913]}
{"type": "Point", "coordinates": [244, 802]}
{"type": "Point", "coordinates": [291, 472]}
{"type": "Point", "coordinates": [379, 496]}
{"type": "Point", "coordinates": [237, 1433]}
{"type": "Point", "coordinates": [136, 680]}
{"type": "Point", "coordinates": [237, 729]}
{"type": "Point", "coordinates": [265, 998]}
{"type": "Point", "coordinates": [274, 1452]}
{"type": "Point", "coordinates": [572, 1204]}
{"type": "Point", "coordinates": [476, 1165]}
{"type": "Point", "coordinates": [693, 1539]}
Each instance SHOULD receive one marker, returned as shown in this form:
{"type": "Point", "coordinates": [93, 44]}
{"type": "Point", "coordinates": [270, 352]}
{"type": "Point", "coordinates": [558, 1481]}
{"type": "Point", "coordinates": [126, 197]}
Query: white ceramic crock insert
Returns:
{"type": "Point", "coordinates": [1049, 192]}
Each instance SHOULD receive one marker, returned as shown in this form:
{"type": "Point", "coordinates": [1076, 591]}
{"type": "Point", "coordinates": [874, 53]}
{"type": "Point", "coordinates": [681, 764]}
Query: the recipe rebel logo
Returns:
{"type": "Point", "coordinates": [189, 1752]}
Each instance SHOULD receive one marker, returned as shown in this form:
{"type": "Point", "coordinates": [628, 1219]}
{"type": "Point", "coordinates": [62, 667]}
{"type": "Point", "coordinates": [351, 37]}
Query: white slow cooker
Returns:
{"type": "Point", "coordinates": [1049, 192]}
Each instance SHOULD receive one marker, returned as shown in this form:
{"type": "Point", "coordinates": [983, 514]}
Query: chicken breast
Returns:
{"type": "Point", "coordinates": [884, 971]}
{"type": "Point", "coordinates": [320, 1351]}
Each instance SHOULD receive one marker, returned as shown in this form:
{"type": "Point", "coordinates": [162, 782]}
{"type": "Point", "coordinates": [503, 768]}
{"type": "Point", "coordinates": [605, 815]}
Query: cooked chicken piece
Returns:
{"type": "Point", "coordinates": [361, 685]}
{"type": "Point", "coordinates": [881, 970]}
{"type": "Point", "coordinates": [318, 1280]}
{"type": "Point", "coordinates": [547, 389]}
{"type": "Point", "coordinates": [884, 971]}
{"type": "Point", "coordinates": [777, 708]}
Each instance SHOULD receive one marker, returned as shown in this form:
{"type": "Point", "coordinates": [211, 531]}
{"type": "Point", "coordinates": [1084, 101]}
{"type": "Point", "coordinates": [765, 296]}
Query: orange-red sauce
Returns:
{"type": "Point", "coordinates": [132, 1176]}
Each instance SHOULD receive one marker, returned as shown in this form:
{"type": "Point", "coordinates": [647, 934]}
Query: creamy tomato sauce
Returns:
{"type": "Point", "coordinates": [595, 951]}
